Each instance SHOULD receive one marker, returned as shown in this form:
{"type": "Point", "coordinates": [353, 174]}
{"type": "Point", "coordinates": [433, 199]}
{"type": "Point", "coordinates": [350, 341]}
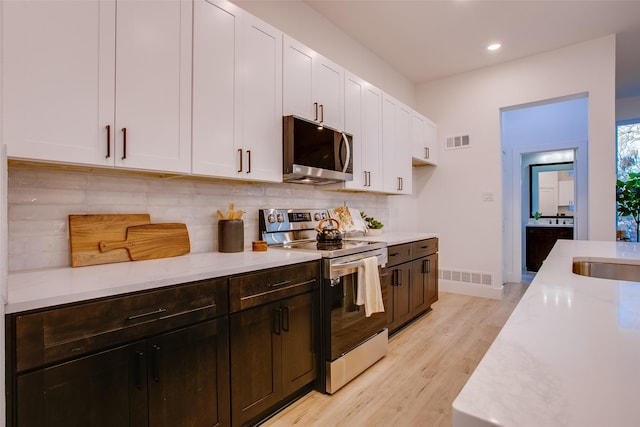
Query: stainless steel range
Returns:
{"type": "Point", "coordinates": [351, 342]}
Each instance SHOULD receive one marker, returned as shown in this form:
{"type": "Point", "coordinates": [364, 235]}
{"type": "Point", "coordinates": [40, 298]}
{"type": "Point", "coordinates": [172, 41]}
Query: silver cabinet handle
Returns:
{"type": "Point", "coordinates": [315, 106]}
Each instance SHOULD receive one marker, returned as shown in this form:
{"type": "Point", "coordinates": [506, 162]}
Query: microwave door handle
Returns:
{"type": "Point", "coordinates": [346, 143]}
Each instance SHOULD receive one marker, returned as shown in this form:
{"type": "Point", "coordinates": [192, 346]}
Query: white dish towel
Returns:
{"type": "Point", "coordinates": [369, 291]}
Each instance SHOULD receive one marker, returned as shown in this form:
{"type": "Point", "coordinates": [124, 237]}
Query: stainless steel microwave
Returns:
{"type": "Point", "coordinates": [315, 154]}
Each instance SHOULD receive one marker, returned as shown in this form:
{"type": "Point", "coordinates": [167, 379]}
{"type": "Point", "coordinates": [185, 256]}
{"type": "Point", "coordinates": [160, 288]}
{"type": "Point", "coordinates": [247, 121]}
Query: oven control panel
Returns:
{"type": "Point", "coordinates": [287, 220]}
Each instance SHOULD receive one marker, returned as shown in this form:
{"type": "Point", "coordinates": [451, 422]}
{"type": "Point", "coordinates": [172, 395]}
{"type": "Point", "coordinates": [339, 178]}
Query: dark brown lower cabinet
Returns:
{"type": "Point", "coordinates": [91, 391]}
{"type": "Point", "coordinates": [540, 241]}
{"type": "Point", "coordinates": [178, 378]}
{"type": "Point", "coordinates": [424, 281]}
{"type": "Point", "coordinates": [273, 355]}
{"type": "Point", "coordinates": [154, 358]}
{"type": "Point", "coordinates": [397, 282]}
{"type": "Point", "coordinates": [412, 278]}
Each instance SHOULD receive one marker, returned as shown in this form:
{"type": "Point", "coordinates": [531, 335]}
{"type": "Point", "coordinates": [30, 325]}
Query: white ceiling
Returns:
{"type": "Point", "coordinates": [429, 39]}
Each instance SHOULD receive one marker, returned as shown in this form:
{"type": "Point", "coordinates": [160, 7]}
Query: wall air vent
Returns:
{"type": "Point", "coordinates": [475, 277]}
{"type": "Point", "coordinates": [454, 142]}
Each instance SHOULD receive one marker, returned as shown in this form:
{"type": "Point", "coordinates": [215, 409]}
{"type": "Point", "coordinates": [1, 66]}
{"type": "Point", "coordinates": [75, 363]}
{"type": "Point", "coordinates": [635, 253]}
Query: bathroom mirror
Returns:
{"type": "Point", "coordinates": [552, 189]}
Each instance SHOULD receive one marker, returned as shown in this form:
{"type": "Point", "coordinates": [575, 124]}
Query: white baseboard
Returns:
{"type": "Point", "coordinates": [470, 289]}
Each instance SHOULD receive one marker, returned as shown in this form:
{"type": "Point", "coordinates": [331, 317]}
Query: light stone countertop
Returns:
{"type": "Point", "coordinates": [569, 355]}
{"type": "Point", "coordinates": [395, 238]}
{"type": "Point", "coordinates": [36, 289]}
{"type": "Point", "coordinates": [550, 225]}
{"type": "Point", "coordinates": [43, 288]}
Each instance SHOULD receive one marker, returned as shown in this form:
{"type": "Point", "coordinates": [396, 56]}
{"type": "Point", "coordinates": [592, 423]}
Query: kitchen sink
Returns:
{"type": "Point", "coordinates": [607, 268]}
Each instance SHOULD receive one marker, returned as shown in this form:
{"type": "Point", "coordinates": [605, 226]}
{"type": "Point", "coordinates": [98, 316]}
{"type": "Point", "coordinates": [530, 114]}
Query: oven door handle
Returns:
{"type": "Point", "coordinates": [355, 263]}
{"type": "Point", "coordinates": [348, 264]}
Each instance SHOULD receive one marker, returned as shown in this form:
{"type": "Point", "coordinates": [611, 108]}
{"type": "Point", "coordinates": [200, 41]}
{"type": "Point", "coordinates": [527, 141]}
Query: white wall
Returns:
{"type": "Point", "coordinates": [628, 108]}
{"type": "Point", "coordinates": [451, 195]}
{"type": "Point", "coordinates": [304, 24]}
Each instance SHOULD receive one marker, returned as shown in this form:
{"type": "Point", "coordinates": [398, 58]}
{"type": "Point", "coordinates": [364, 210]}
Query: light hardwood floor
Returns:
{"type": "Point", "coordinates": [426, 366]}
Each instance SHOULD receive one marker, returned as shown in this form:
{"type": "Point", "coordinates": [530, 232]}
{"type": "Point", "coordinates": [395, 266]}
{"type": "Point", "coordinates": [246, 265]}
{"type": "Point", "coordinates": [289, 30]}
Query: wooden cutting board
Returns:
{"type": "Point", "coordinates": [87, 231]}
{"type": "Point", "coordinates": [152, 241]}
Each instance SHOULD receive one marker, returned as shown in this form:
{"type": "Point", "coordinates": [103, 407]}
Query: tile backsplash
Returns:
{"type": "Point", "coordinates": [40, 200]}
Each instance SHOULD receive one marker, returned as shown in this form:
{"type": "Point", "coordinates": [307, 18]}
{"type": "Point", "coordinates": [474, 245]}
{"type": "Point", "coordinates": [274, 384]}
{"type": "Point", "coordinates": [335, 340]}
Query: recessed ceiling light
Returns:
{"type": "Point", "coordinates": [494, 46]}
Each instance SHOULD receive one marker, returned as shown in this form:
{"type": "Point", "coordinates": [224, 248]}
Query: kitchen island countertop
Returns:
{"type": "Point", "coordinates": [569, 355]}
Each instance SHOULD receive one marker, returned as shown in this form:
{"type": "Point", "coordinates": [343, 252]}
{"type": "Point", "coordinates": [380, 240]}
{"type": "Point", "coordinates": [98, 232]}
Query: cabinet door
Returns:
{"type": "Point", "coordinates": [424, 282]}
{"type": "Point", "coordinates": [329, 92]}
{"type": "Point", "coordinates": [299, 337]}
{"type": "Point", "coordinates": [432, 278]}
{"type": "Point", "coordinates": [298, 74]}
{"type": "Point", "coordinates": [400, 283]}
{"type": "Point", "coordinates": [188, 376]}
{"type": "Point", "coordinates": [396, 146]}
{"type": "Point", "coordinates": [565, 193]}
{"type": "Point", "coordinates": [217, 33]}
{"type": "Point", "coordinates": [424, 140]}
{"type": "Point", "coordinates": [419, 283]}
{"type": "Point", "coordinates": [353, 112]}
{"type": "Point", "coordinates": [153, 85]}
{"type": "Point", "coordinates": [58, 80]}
{"type": "Point", "coordinates": [105, 389]}
{"type": "Point", "coordinates": [372, 138]}
{"type": "Point", "coordinates": [313, 85]}
{"type": "Point", "coordinates": [262, 101]}
{"type": "Point", "coordinates": [256, 370]}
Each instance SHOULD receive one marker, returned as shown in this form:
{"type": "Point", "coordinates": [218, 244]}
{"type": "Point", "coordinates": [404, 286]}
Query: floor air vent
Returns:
{"type": "Point", "coordinates": [475, 277]}
{"type": "Point", "coordinates": [454, 142]}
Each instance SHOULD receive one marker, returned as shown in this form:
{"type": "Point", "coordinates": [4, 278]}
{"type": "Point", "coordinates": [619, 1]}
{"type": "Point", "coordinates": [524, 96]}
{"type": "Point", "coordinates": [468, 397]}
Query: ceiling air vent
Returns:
{"type": "Point", "coordinates": [461, 141]}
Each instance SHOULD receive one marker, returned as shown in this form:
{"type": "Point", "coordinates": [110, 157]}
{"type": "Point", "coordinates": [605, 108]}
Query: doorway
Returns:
{"type": "Point", "coordinates": [537, 131]}
{"type": "Point", "coordinates": [548, 204]}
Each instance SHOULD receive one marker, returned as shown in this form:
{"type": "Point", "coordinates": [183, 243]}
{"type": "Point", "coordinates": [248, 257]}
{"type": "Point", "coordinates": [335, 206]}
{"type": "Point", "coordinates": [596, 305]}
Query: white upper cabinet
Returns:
{"type": "Point", "coordinates": [313, 86]}
{"type": "Point", "coordinates": [63, 62]}
{"type": "Point", "coordinates": [565, 193]}
{"type": "Point", "coordinates": [58, 80]}
{"type": "Point", "coordinates": [237, 94]}
{"type": "Point", "coordinates": [396, 146]}
{"type": "Point", "coordinates": [261, 101]}
{"type": "Point", "coordinates": [354, 88]}
{"type": "Point", "coordinates": [363, 119]}
{"type": "Point", "coordinates": [217, 132]}
{"type": "Point", "coordinates": [153, 85]}
{"type": "Point", "coordinates": [424, 140]}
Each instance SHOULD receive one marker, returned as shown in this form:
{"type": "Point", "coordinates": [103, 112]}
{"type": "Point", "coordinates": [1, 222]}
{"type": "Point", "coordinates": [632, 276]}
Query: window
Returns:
{"type": "Point", "coordinates": [628, 143]}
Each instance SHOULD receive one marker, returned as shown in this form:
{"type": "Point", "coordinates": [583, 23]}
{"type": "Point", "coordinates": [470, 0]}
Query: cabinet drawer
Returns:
{"type": "Point", "coordinates": [250, 290]}
{"type": "Point", "coordinates": [424, 247]}
{"type": "Point", "coordinates": [57, 334]}
{"type": "Point", "coordinates": [399, 254]}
